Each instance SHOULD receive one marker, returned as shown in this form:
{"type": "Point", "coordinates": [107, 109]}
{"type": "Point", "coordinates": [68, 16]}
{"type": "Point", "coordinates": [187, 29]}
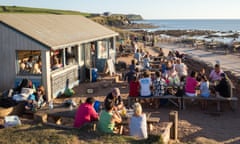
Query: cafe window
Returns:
{"type": "Point", "coordinates": [56, 59]}
{"type": "Point", "coordinates": [87, 51]}
{"type": "Point", "coordinates": [29, 62]}
{"type": "Point", "coordinates": [102, 49]}
{"type": "Point", "coordinates": [71, 55]}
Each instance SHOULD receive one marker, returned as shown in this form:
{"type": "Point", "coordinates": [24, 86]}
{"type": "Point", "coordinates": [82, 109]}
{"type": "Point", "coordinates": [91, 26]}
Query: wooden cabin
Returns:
{"type": "Point", "coordinates": [55, 51]}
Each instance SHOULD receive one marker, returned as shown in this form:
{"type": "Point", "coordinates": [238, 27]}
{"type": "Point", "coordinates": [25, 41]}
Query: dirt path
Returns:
{"type": "Point", "coordinates": [197, 126]}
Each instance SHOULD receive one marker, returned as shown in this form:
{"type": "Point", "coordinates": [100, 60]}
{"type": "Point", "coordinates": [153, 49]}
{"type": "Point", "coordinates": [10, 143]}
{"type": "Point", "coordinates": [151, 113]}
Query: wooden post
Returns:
{"type": "Point", "coordinates": [173, 117]}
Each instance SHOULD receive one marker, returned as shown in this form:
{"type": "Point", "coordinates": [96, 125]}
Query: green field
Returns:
{"type": "Point", "coordinates": [17, 9]}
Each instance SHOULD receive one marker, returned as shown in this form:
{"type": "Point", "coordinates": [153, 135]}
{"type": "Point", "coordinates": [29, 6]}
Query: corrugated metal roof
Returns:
{"type": "Point", "coordinates": [57, 31]}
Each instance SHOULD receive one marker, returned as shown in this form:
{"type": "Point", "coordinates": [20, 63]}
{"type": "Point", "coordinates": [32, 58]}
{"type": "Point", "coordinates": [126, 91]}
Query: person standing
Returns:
{"type": "Point", "coordinates": [138, 56]}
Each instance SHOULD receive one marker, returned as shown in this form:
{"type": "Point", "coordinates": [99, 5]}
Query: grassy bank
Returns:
{"type": "Point", "coordinates": [17, 9]}
{"type": "Point", "coordinates": [41, 134]}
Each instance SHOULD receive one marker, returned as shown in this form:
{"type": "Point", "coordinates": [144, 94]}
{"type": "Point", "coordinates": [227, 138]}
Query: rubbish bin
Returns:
{"type": "Point", "coordinates": [94, 74]}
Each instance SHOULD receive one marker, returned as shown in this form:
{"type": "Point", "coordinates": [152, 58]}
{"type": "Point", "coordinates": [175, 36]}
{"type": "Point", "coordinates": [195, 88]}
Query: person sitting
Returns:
{"type": "Point", "coordinates": [224, 87]}
{"type": "Point", "coordinates": [204, 87]}
{"type": "Point", "coordinates": [204, 90]}
{"type": "Point", "coordinates": [85, 113]}
{"type": "Point", "coordinates": [173, 78]}
{"type": "Point", "coordinates": [134, 87]}
{"type": "Point", "coordinates": [22, 68]}
{"type": "Point", "coordinates": [215, 73]}
{"type": "Point", "coordinates": [138, 123]}
{"type": "Point", "coordinates": [29, 63]}
{"type": "Point", "coordinates": [181, 68]}
{"type": "Point", "coordinates": [30, 105]}
{"type": "Point", "coordinates": [56, 63]}
{"type": "Point", "coordinates": [145, 84]}
{"type": "Point", "coordinates": [159, 85]}
{"type": "Point", "coordinates": [201, 73]}
{"type": "Point", "coordinates": [40, 97]}
{"type": "Point", "coordinates": [36, 69]}
{"type": "Point", "coordinates": [116, 98]}
{"type": "Point", "coordinates": [108, 118]}
{"type": "Point", "coordinates": [191, 84]}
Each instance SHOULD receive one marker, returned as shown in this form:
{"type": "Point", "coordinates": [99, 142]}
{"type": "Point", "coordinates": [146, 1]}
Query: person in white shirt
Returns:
{"type": "Point", "coordinates": [181, 68]}
{"type": "Point", "coordinates": [215, 73]}
{"type": "Point", "coordinates": [138, 123]}
{"type": "Point", "coordinates": [145, 84]}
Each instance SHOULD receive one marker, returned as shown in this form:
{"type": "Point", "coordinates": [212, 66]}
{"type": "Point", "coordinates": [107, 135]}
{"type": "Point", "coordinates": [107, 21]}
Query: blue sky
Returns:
{"type": "Point", "coordinates": [149, 9]}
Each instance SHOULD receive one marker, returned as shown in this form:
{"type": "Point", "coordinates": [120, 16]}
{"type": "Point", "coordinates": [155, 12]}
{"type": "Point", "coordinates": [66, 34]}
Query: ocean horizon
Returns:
{"type": "Point", "coordinates": [222, 25]}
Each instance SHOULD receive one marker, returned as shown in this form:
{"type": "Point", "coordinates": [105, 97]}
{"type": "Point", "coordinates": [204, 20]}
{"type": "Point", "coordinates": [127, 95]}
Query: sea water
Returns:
{"type": "Point", "coordinates": [224, 25]}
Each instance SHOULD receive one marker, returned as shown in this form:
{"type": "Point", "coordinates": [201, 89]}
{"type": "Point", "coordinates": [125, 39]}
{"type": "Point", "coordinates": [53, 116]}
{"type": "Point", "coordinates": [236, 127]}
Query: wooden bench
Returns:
{"type": "Point", "coordinates": [171, 98]}
{"type": "Point", "coordinates": [181, 100]}
{"type": "Point", "coordinates": [233, 100]}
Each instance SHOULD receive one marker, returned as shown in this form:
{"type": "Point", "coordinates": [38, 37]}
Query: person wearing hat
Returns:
{"type": "Point", "coordinates": [224, 87]}
{"type": "Point", "coordinates": [114, 96]}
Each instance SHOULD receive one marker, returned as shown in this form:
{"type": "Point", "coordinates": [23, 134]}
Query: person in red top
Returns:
{"type": "Point", "coordinates": [191, 84]}
{"type": "Point", "coordinates": [134, 87]}
{"type": "Point", "coordinates": [85, 113]}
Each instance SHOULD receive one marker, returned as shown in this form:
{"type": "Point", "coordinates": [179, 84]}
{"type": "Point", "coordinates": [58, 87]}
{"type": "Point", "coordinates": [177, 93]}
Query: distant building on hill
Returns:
{"type": "Point", "coordinates": [107, 14]}
{"type": "Point", "coordinates": [56, 51]}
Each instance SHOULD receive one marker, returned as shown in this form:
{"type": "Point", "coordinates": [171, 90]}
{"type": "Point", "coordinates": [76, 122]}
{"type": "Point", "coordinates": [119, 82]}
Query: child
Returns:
{"type": "Point", "coordinates": [204, 90]}
{"type": "Point", "coordinates": [31, 103]}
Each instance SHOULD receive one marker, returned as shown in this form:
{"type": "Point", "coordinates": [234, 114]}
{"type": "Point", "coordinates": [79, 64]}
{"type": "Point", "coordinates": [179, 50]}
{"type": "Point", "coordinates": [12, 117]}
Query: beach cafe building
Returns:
{"type": "Point", "coordinates": [56, 51]}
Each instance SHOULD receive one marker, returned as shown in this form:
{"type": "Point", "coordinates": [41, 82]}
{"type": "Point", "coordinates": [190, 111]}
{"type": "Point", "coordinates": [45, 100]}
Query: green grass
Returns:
{"type": "Point", "coordinates": [17, 9]}
{"type": "Point", "coordinates": [41, 134]}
